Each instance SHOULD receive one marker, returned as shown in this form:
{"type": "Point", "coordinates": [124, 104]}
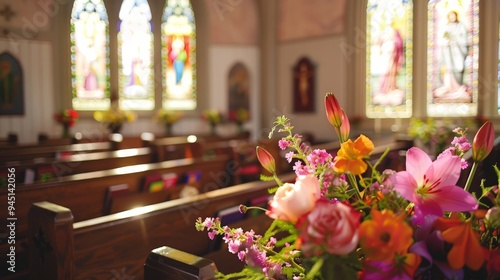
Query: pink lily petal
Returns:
{"type": "Point", "coordinates": [456, 199]}
{"type": "Point", "coordinates": [417, 163]}
{"type": "Point", "coordinates": [446, 169]}
{"type": "Point", "coordinates": [405, 184]}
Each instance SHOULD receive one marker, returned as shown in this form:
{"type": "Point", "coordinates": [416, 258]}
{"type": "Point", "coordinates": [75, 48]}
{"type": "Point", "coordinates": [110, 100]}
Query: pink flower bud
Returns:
{"type": "Point", "coordinates": [345, 128]}
{"type": "Point", "coordinates": [266, 160]}
{"type": "Point", "coordinates": [333, 110]}
{"type": "Point", "coordinates": [483, 142]}
{"type": "Point", "coordinates": [493, 218]}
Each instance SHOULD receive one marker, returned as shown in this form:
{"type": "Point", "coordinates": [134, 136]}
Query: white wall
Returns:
{"type": "Point", "coordinates": [331, 76]}
{"type": "Point", "coordinates": [222, 58]}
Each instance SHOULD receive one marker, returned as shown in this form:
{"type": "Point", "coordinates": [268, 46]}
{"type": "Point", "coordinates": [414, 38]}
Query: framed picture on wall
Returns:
{"type": "Point", "coordinates": [303, 86]}
{"type": "Point", "coordinates": [11, 85]}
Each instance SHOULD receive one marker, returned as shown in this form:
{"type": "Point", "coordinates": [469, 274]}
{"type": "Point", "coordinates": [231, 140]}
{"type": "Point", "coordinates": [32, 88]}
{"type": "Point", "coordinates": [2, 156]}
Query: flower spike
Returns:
{"type": "Point", "coordinates": [483, 142]}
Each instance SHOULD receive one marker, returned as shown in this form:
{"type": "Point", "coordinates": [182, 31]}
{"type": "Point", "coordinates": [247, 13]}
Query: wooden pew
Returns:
{"type": "Point", "coordinates": [189, 145]}
{"type": "Point", "coordinates": [43, 169]}
{"type": "Point", "coordinates": [85, 193]}
{"type": "Point", "coordinates": [52, 151]}
{"type": "Point", "coordinates": [119, 244]}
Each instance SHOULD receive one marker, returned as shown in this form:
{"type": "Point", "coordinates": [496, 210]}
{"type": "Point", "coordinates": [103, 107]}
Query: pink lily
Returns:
{"type": "Point", "coordinates": [431, 186]}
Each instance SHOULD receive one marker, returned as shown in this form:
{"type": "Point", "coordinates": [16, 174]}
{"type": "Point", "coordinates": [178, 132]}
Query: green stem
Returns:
{"type": "Point", "coordinates": [471, 176]}
{"type": "Point", "coordinates": [315, 269]}
{"type": "Point", "coordinates": [352, 181]}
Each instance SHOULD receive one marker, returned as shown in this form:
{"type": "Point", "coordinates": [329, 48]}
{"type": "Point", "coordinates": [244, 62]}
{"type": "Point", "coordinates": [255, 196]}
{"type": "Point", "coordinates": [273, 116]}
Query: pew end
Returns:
{"type": "Point", "coordinates": [169, 263]}
{"type": "Point", "coordinates": [51, 232]}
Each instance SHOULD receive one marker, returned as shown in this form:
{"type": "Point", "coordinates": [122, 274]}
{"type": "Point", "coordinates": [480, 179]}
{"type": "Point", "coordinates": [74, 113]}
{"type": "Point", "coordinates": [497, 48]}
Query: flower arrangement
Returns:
{"type": "Point", "coordinates": [335, 222]}
{"type": "Point", "coordinates": [213, 117]}
{"type": "Point", "coordinates": [239, 116]}
{"type": "Point", "coordinates": [67, 118]}
{"type": "Point", "coordinates": [114, 117]}
{"type": "Point", "coordinates": [433, 135]}
{"type": "Point", "coordinates": [168, 118]}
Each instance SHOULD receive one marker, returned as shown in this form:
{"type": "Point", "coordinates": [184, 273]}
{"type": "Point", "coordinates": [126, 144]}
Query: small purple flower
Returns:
{"type": "Point", "coordinates": [289, 156]}
{"type": "Point", "coordinates": [209, 222]}
{"type": "Point", "coordinates": [301, 169]}
{"type": "Point", "coordinates": [283, 144]}
{"type": "Point", "coordinates": [212, 234]}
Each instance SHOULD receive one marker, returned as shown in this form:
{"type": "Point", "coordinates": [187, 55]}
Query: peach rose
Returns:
{"type": "Point", "coordinates": [330, 227]}
{"type": "Point", "coordinates": [294, 200]}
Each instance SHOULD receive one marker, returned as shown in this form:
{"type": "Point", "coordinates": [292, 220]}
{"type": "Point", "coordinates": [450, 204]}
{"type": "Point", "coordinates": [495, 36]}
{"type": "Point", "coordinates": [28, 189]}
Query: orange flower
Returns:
{"type": "Point", "coordinates": [385, 235]}
{"type": "Point", "coordinates": [350, 156]}
{"type": "Point", "coordinates": [466, 248]}
{"type": "Point", "coordinates": [411, 263]}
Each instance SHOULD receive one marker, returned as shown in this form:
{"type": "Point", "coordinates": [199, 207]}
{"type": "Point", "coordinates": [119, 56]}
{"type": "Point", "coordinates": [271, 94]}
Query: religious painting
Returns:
{"type": "Point", "coordinates": [304, 74]}
{"type": "Point", "coordinates": [89, 59]}
{"type": "Point", "coordinates": [179, 56]}
{"type": "Point", "coordinates": [453, 52]}
{"type": "Point", "coordinates": [11, 85]}
{"type": "Point", "coordinates": [238, 90]}
{"type": "Point", "coordinates": [389, 60]}
{"type": "Point", "coordinates": [135, 56]}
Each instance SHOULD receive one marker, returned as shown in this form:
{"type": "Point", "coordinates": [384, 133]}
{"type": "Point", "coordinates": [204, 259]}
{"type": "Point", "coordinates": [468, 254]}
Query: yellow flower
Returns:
{"type": "Point", "coordinates": [351, 154]}
{"type": "Point", "coordinates": [385, 235]}
{"type": "Point", "coordinates": [167, 117]}
{"type": "Point", "coordinates": [466, 248]}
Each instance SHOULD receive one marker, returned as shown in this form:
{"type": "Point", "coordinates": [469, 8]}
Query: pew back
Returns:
{"type": "Point", "coordinates": [120, 243]}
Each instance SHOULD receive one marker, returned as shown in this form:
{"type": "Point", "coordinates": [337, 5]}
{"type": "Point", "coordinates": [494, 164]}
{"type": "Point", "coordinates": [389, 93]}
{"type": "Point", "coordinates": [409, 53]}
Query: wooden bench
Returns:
{"type": "Point", "coordinates": [44, 169]}
{"type": "Point", "coordinates": [118, 244]}
{"type": "Point", "coordinates": [17, 154]}
{"type": "Point", "coordinates": [85, 193]}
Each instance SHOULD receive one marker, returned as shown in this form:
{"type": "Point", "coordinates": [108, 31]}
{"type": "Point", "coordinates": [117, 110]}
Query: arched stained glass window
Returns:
{"type": "Point", "coordinates": [453, 52]}
{"type": "Point", "coordinates": [389, 58]}
{"type": "Point", "coordinates": [89, 62]}
{"type": "Point", "coordinates": [179, 55]}
{"type": "Point", "coordinates": [135, 56]}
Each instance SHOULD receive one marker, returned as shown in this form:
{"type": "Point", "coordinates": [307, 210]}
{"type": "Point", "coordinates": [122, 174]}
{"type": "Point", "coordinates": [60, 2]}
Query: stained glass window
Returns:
{"type": "Point", "coordinates": [89, 62]}
{"type": "Point", "coordinates": [179, 55]}
{"type": "Point", "coordinates": [389, 58]}
{"type": "Point", "coordinates": [135, 56]}
{"type": "Point", "coordinates": [453, 52]}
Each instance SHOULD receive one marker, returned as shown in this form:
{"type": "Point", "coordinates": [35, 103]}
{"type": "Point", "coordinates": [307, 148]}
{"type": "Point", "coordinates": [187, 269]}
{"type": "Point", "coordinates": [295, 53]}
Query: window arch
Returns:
{"type": "Point", "coordinates": [89, 63]}
{"type": "Point", "coordinates": [453, 52]}
{"type": "Point", "coordinates": [178, 34]}
{"type": "Point", "coordinates": [135, 56]}
{"type": "Point", "coordinates": [389, 32]}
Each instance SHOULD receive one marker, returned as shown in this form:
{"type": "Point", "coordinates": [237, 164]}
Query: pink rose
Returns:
{"type": "Point", "coordinates": [294, 200]}
{"type": "Point", "coordinates": [330, 227]}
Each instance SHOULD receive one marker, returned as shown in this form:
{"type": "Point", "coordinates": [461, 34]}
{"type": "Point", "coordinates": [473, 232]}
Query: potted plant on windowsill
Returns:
{"type": "Point", "coordinates": [67, 118]}
{"type": "Point", "coordinates": [167, 118]}
{"type": "Point", "coordinates": [114, 118]}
